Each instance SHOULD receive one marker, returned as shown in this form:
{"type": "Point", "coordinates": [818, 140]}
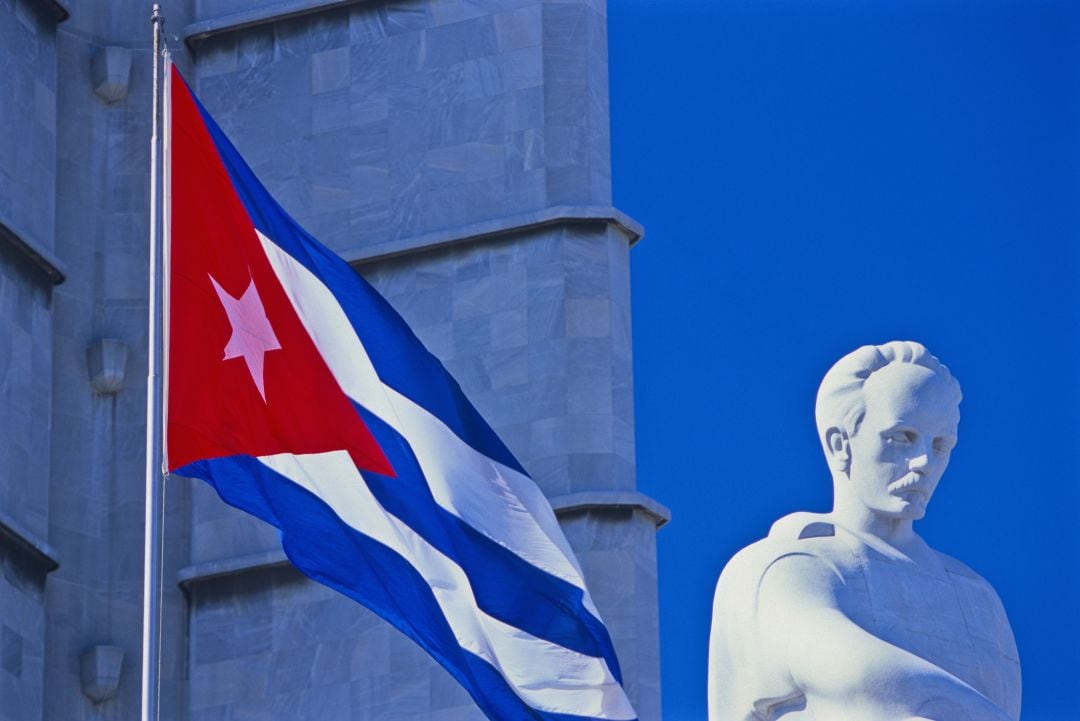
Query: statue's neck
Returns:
{"type": "Point", "coordinates": [849, 512]}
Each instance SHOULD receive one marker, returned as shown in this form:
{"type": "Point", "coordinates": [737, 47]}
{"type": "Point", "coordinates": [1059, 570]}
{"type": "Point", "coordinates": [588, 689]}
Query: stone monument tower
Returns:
{"type": "Point", "coordinates": [457, 152]}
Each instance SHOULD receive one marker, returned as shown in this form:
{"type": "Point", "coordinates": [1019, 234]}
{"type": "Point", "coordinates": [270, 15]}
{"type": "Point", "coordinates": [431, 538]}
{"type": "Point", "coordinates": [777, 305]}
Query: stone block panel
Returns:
{"type": "Point", "coordinates": [28, 117]}
{"type": "Point", "coordinates": [221, 532]}
{"type": "Point", "coordinates": [22, 635]}
{"type": "Point", "coordinates": [387, 120]}
{"type": "Point", "coordinates": [271, 644]}
{"type": "Point", "coordinates": [535, 328]}
{"type": "Point", "coordinates": [25, 390]}
{"type": "Point", "coordinates": [617, 551]}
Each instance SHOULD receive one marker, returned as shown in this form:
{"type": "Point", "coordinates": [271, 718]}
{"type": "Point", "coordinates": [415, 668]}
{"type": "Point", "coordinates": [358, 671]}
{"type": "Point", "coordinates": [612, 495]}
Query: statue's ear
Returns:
{"type": "Point", "coordinates": [838, 449]}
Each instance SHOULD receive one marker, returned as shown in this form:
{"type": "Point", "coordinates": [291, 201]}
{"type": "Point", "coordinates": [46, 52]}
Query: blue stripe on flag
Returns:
{"type": "Point", "coordinates": [400, 359]}
{"type": "Point", "coordinates": [332, 553]}
{"type": "Point", "coordinates": [506, 586]}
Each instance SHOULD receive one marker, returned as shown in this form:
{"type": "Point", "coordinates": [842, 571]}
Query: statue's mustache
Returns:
{"type": "Point", "coordinates": [911, 482]}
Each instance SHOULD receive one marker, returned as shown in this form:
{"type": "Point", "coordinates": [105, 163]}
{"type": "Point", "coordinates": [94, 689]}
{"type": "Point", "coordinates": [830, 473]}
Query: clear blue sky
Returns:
{"type": "Point", "coordinates": [816, 175]}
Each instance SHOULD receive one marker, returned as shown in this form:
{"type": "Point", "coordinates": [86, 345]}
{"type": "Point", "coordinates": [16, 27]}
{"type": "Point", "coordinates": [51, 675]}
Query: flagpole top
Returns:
{"type": "Point", "coordinates": [155, 16]}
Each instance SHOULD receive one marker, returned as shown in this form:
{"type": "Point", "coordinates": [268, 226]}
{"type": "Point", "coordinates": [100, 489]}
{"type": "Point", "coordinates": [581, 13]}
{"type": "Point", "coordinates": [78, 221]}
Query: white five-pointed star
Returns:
{"type": "Point", "coordinates": [252, 336]}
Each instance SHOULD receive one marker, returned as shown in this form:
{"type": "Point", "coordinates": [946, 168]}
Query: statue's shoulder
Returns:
{"type": "Point", "coordinates": [958, 568]}
{"type": "Point", "coordinates": [748, 676]}
{"type": "Point", "coordinates": [801, 533]}
{"type": "Point", "coordinates": [983, 610]}
{"type": "Point", "coordinates": [968, 579]}
{"type": "Point", "coordinates": [801, 526]}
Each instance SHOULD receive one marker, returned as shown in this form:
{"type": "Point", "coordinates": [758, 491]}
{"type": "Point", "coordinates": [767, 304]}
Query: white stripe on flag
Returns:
{"type": "Point", "coordinates": [498, 501]}
{"type": "Point", "coordinates": [545, 675]}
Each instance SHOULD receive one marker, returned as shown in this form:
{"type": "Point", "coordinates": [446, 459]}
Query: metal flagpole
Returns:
{"type": "Point", "coordinates": [151, 639]}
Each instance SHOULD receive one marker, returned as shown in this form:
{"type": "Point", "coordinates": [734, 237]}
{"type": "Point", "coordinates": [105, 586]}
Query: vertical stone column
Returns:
{"type": "Point", "coordinates": [535, 325]}
{"type": "Point", "coordinates": [609, 524]}
{"type": "Point", "coordinates": [96, 479]}
{"type": "Point", "coordinates": [29, 272]}
{"type": "Point", "coordinates": [459, 154]}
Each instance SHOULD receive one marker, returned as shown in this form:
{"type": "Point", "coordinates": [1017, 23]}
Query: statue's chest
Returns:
{"type": "Point", "coordinates": [948, 618]}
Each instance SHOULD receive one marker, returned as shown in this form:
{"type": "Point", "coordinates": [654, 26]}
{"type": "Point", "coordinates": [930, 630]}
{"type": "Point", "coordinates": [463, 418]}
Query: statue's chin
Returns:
{"type": "Point", "coordinates": [915, 514]}
{"type": "Point", "coordinates": [909, 508]}
{"type": "Point", "coordinates": [900, 507]}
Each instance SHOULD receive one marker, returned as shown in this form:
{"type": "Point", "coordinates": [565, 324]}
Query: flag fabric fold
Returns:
{"type": "Point", "coordinates": [303, 398]}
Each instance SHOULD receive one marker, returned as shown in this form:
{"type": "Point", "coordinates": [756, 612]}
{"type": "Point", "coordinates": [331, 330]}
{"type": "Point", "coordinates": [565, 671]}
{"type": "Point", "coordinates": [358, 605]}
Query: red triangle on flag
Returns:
{"type": "Point", "coordinates": [244, 376]}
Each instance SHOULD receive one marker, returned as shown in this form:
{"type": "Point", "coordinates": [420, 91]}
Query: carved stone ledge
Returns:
{"type": "Point", "coordinates": [41, 258]}
{"type": "Point", "coordinates": [54, 10]}
{"type": "Point", "coordinates": [35, 550]}
{"type": "Point", "coordinates": [197, 573]}
{"type": "Point", "coordinates": [269, 13]}
{"type": "Point", "coordinates": [604, 500]}
{"type": "Point", "coordinates": [484, 230]}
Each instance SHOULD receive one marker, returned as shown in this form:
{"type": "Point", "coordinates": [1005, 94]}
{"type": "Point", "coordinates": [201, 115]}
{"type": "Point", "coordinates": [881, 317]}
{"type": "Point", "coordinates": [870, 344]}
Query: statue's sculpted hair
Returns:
{"type": "Point", "coordinates": [840, 399]}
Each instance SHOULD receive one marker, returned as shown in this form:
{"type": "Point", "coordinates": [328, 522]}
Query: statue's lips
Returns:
{"type": "Point", "coordinates": [911, 483]}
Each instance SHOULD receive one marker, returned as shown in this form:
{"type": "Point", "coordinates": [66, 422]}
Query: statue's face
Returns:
{"type": "Point", "coordinates": [903, 444]}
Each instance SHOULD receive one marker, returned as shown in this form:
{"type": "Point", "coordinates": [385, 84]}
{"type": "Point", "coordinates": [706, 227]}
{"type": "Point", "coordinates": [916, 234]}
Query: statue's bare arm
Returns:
{"type": "Point", "coordinates": [845, 671]}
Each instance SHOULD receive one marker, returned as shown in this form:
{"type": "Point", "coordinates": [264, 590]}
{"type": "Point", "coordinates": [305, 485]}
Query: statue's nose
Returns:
{"type": "Point", "coordinates": [919, 463]}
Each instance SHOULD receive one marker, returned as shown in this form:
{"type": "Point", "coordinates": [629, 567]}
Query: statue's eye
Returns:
{"type": "Point", "coordinates": [904, 437]}
{"type": "Point", "coordinates": [943, 445]}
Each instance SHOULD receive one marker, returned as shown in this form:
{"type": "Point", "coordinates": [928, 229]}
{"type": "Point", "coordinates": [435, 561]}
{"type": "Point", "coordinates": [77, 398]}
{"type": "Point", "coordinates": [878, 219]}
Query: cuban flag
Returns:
{"type": "Point", "coordinates": [303, 398]}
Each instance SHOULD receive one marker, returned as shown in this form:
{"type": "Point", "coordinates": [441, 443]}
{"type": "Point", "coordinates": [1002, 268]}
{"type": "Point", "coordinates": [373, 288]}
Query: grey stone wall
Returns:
{"type": "Point", "coordinates": [406, 118]}
{"type": "Point", "coordinates": [535, 326]}
{"type": "Point", "coordinates": [22, 635]}
{"type": "Point", "coordinates": [536, 329]}
{"type": "Point", "coordinates": [408, 127]}
{"type": "Point", "coordinates": [271, 644]}
{"type": "Point", "coordinates": [617, 551]}
{"type": "Point", "coordinates": [25, 396]}
{"type": "Point", "coordinates": [457, 151]}
{"type": "Point", "coordinates": [27, 167]}
{"type": "Point", "coordinates": [97, 455]}
{"type": "Point", "coordinates": [28, 119]}
{"type": "Point", "coordinates": [25, 391]}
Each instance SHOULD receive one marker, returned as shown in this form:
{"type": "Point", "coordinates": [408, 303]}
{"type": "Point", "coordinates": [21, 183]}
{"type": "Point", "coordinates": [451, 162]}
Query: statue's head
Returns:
{"type": "Point", "coordinates": [887, 416]}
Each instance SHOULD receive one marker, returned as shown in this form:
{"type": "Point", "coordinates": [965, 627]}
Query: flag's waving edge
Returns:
{"type": "Point", "coordinates": [303, 398]}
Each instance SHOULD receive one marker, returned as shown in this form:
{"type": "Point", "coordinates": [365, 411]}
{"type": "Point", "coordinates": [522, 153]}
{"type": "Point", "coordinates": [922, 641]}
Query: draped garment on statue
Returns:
{"type": "Point", "coordinates": [937, 609]}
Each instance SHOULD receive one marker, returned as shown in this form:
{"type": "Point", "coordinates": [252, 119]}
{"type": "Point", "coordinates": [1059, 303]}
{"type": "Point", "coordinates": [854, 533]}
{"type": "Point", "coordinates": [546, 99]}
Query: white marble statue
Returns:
{"type": "Point", "coordinates": [850, 615]}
